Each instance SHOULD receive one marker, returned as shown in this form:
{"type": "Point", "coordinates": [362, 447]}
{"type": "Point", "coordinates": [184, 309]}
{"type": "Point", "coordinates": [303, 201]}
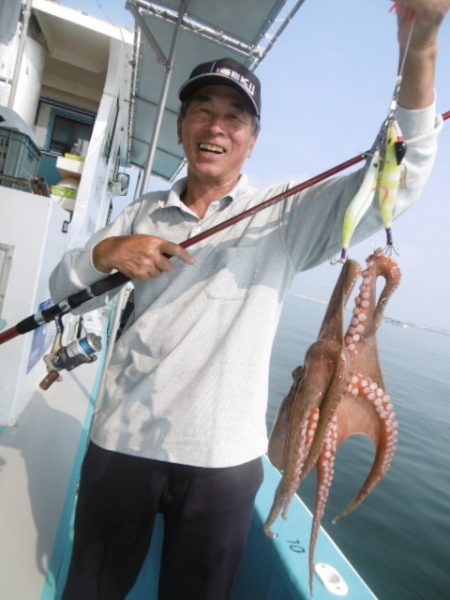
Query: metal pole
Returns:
{"type": "Point", "coordinates": [204, 30]}
{"type": "Point", "coordinates": [162, 102]}
{"type": "Point", "coordinates": [279, 31]}
{"type": "Point", "coordinates": [153, 43]}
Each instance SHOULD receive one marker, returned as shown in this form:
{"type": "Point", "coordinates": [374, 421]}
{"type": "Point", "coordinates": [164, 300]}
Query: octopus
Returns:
{"type": "Point", "coordinates": [337, 393]}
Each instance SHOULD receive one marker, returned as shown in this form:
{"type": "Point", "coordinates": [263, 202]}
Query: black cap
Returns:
{"type": "Point", "coordinates": [225, 71]}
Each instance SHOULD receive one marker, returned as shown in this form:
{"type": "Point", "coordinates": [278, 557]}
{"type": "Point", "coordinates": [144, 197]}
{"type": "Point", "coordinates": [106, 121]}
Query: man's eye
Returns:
{"type": "Point", "coordinates": [199, 111]}
{"type": "Point", "coordinates": [235, 118]}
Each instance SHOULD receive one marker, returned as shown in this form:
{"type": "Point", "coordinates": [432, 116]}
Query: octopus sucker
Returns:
{"type": "Point", "coordinates": [284, 494]}
{"type": "Point", "coordinates": [338, 392]}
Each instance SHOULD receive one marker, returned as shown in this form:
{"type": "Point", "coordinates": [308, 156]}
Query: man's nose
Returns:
{"type": "Point", "coordinates": [216, 123]}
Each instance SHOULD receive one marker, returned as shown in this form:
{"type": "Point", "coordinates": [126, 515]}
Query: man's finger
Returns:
{"type": "Point", "coordinates": [171, 249]}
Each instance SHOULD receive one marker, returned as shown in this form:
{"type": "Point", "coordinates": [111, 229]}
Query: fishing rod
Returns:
{"type": "Point", "coordinates": [115, 280]}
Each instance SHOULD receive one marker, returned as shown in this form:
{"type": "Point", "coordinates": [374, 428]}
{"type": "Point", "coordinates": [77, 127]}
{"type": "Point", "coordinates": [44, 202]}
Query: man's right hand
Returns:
{"type": "Point", "coordinates": [140, 257]}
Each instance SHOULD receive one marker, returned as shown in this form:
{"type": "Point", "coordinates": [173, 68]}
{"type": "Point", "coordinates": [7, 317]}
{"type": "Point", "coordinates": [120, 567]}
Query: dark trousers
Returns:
{"type": "Point", "coordinates": [206, 511]}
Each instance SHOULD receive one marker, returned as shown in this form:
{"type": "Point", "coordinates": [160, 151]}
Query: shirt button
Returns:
{"type": "Point", "coordinates": [196, 230]}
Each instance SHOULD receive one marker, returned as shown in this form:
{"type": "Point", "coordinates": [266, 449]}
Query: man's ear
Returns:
{"type": "Point", "coordinates": [251, 145]}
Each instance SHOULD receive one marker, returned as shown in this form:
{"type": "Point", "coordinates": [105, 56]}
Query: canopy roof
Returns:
{"type": "Point", "coordinates": [207, 30]}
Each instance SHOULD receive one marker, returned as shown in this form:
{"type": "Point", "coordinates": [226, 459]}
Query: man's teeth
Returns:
{"type": "Point", "coordinates": [211, 148]}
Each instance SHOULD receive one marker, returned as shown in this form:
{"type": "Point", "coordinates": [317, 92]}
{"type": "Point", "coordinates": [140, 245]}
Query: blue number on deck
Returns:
{"type": "Point", "coordinates": [295, 546]}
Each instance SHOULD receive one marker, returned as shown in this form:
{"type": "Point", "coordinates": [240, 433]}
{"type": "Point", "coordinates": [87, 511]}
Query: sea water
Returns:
{"type": "Point", "coordinates": [399, 538]}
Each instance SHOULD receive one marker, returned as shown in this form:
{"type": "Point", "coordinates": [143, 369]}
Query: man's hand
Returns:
{"type": "Point", "coordinates": [428, 16]}
{"type": "Point", "coordinates": [138, 257]}
{"type": "Point", "coordinates": [417, 89]}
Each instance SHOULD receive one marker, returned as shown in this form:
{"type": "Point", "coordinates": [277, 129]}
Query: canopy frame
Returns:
{"type": "Point", "coordinates": [198, 38]}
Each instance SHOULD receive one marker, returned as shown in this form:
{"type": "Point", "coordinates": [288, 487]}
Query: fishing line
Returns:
{"type": "Point", "coordinates": [401, 69]}
{"type": "Point", "coordinates": [381, 139]}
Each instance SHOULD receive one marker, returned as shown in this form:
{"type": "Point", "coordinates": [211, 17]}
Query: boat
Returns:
{"type": "Point", "coordinates": [75, 104]}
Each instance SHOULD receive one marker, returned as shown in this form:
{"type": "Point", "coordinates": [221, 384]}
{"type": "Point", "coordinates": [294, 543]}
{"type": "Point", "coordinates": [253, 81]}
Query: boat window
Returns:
{"type": "Point", "coordinates": [69, 135]}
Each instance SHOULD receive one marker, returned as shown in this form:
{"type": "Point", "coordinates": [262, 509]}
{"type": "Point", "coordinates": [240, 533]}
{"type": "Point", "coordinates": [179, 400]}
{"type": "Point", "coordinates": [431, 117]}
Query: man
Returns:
{"type": "Point", "coordinates": [181, 427]}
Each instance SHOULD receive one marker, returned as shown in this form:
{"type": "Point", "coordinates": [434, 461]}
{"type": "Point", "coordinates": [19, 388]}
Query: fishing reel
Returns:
{"type": "Point", "coordinates": [83, 349]}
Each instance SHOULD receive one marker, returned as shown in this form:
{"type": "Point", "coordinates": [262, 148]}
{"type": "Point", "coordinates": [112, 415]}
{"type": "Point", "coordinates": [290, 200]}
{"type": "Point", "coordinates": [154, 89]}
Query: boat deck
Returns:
{"type": "Point", "coordinates": [40, 459]}
{"type": "Point", "coordinates": [39, 462]}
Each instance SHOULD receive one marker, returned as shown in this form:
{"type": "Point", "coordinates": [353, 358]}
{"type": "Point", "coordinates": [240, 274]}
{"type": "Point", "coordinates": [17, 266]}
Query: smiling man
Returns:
{"type": "Point", "coordinates": [181, 427]}
{"type": "Point", "coordinates": [217, 131]}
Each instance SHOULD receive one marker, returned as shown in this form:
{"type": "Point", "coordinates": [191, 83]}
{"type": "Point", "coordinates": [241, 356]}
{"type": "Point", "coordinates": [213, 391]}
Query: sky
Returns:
{"type": "Point", "coordinates": [326, 88]}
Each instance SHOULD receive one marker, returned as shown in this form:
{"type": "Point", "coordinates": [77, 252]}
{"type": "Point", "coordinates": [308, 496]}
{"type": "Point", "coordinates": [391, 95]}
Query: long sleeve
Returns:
{"type": "Point", "coordinates": [76, 271]}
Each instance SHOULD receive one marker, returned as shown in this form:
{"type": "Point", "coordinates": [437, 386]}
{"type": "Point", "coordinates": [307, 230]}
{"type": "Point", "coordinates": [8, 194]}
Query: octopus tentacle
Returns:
{"type": "Point", "coordinates": [391, 272]}
{"type": "Point", "coordinates": [325, 473]}
{"type": "Point", "coordinates": [292, 429]}
{"type": "Point", "coordinates": [385, 438]}
{"type": "Point", "coordinates": [368, 312]}
{"type": "Point", "coordinates": [306, 438]}
{"type": "Point", "coordinates": [330, 334]}
{"type": "Point", "coordinates": [335, 392]}
{"type": "Point", "coordinates": [287, 487]}
{"type": "Point", "coordinates": [278, 443]}
{"type": "Point", "coordinates": [333, 321]}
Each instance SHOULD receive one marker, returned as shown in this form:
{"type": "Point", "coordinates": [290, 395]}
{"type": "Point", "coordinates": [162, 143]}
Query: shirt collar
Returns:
{"type": "Point", "coordinates": [175, 192]}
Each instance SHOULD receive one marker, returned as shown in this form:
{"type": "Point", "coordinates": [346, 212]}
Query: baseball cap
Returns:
{"type": "Point", "coordinates": [225, 71]}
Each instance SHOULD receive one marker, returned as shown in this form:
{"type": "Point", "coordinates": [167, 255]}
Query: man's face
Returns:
{"type": "Point", "coordinates": [217, 134]}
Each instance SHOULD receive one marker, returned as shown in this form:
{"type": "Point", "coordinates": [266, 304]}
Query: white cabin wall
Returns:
{"type": "Point", "coordinates": [30, 75]}
{"type": "Point", "coordinates": [8, 51]}
{"type": "Point", "coordinates": [9, 45]}
{"type": "Point", "coordinates": [33, 226]}
{"type": "Point", "coordinates": [29, 83]}
{"type": "Point", "coordinates": [94, 195]}
{"type": "Point", "coordinates": [66, 97]}
{"type": "Point", "coordinates": [72, 84]}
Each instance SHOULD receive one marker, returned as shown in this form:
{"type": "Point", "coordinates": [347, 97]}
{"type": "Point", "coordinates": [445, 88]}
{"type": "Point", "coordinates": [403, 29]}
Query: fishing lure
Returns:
{"type": "Point", "coordinates": [384, 167]}
{"type": "Point", "coordinates": [389, 178]}
{"type": "Point", "coordinates": [360, 202]}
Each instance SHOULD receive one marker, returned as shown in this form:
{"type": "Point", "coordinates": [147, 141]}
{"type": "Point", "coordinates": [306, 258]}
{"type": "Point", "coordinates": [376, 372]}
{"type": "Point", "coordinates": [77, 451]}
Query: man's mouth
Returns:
{"type": "Point", "coordinates": [211, 148]}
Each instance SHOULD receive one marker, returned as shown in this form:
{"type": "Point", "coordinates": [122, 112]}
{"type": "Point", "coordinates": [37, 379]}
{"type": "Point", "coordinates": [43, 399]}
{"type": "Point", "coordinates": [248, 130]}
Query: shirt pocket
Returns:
{"type": "Point", "coordinates": [236, 274]}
